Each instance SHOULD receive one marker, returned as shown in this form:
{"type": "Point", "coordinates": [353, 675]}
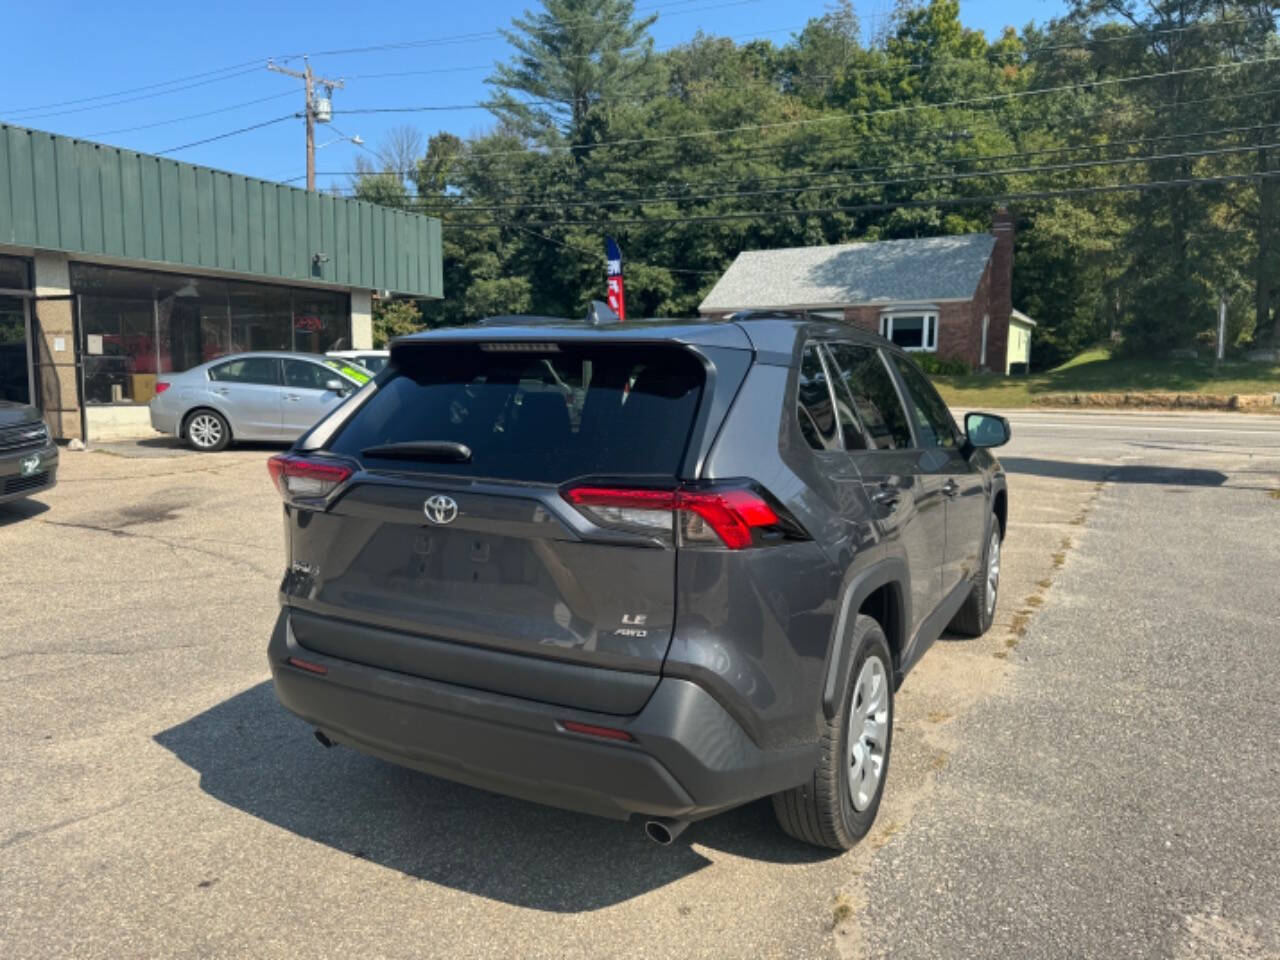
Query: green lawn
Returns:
{"type": "Point", "coordinates": [1096, 371]}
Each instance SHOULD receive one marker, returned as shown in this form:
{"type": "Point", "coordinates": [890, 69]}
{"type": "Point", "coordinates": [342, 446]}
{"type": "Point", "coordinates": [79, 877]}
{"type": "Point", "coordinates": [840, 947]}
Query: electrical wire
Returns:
{"type": "Point", "coordinates": [844, 144]}
{"type": "Point", "coordinates": [144, 96]}
{"type": "Point", "coordinates": [962, 103]}
{"type": "Point", "coordinates": [120, 93]}
{"type": "Point", "coordinates": [191, 116]}
{"type": "Point", "coordinates": [987, 158]}
{"type": "Point", "coordinates": [229, 133]}
{"type": "Point", "coordinates": [855, 184]}
{"type": "Point", "coordinates": [982, 200]}
{"type": "Point", "coordinates": [489, 34]}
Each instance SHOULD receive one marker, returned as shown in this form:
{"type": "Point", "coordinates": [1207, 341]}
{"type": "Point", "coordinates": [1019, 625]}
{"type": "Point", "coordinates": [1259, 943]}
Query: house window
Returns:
{"type": "Point", "coordinates": [911, 331]}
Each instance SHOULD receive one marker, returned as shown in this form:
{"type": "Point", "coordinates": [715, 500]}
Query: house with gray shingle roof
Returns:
{"type": "Point", "coordinates": [949, 296]}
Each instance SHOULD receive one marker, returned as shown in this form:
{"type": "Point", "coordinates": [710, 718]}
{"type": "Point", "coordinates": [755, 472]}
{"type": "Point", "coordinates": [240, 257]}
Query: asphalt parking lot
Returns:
{"type": "Point", "coordinates": [1096, 777]}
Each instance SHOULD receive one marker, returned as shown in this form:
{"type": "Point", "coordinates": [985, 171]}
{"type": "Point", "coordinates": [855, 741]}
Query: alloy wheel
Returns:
{"type": "Point", "coordinates": [993, 571]}
{"type": "Point", "coordinates": [868, 732]}
{"type": "Point", "coordinates": [205, 430]}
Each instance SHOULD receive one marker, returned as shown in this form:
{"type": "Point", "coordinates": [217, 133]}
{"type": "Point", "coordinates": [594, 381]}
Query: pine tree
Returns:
{"type": "Point", "coordinates": [571, 57]}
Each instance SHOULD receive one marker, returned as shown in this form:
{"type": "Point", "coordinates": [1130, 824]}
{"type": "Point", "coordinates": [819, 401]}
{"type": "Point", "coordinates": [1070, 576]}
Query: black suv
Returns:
{"type": "Point", "coordinates": [648, 570]}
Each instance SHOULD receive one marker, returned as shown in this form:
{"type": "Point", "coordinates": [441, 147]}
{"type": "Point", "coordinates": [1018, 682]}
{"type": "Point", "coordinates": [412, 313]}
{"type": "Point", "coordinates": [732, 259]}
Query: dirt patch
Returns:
{"type": "Point", "coordinates": [1248, 402]}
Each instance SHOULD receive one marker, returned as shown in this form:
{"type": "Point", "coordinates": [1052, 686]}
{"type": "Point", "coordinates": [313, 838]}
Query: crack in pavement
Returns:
{"type": "Point", "coordinates": [171, 544]}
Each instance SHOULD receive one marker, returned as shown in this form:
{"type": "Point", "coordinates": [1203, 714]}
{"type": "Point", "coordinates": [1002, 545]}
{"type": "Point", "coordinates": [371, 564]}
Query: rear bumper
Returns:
{"type": "Point", "coordinates": [165, 421]}
{"type": "Point", "coordinates": [688, 759]}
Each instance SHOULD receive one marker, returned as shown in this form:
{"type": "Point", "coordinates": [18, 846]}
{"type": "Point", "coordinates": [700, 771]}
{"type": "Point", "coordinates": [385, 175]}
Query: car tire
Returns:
{"type": "Point", "coordinates": [979, 610]}
{"type": "Point", "coordinates": [207, 431]}
{"type": "Point", "coordinates": [837, 805]}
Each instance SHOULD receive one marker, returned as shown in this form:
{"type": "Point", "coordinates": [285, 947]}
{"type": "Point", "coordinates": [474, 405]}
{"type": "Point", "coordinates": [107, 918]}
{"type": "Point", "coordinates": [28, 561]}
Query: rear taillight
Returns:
{"type": "Point", "coordinates": [736, 516]}
{"type": "Point", "coordinates": [306, 479]}
{"type": "Point", "coordinates": [162, 386]}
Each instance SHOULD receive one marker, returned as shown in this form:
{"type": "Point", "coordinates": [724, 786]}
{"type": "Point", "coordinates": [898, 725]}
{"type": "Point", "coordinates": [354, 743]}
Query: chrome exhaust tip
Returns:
{"type": "Point", "coordinates": [663, 830]}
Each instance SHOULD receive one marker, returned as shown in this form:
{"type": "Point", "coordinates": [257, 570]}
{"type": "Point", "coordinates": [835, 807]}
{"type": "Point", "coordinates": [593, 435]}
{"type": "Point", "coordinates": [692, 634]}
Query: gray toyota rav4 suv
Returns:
{"type": "Point", "coordinates": [649, 570]}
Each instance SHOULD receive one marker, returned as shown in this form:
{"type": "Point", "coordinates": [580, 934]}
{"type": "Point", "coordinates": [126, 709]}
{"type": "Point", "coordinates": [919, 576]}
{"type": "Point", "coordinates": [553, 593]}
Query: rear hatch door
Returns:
{"type": "Point", "coordinates": [477, 570]}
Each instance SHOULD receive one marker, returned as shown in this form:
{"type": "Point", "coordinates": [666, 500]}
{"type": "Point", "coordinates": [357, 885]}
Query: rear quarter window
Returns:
{"type": "Point", "coordinates": [544, 417]}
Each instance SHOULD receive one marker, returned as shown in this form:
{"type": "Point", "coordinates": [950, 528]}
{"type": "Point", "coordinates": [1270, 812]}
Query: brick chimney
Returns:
{"type": "Point", "coordinates": [1000, 297]}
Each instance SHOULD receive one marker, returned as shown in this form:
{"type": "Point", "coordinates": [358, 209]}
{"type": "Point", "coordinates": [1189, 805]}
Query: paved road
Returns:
{"type": "Point", "coordinates": [1120, 795]}
{"type": "Point", "coordinates": [155, 801]}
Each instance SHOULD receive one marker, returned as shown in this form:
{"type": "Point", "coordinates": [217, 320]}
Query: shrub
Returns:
{"type": "Point", "coordinates": [934, 366]}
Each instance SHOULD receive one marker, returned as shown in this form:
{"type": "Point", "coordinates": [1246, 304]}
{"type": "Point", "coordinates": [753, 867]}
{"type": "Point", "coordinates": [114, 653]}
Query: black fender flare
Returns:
{"type": "Point", "coordinates": [859, 587]}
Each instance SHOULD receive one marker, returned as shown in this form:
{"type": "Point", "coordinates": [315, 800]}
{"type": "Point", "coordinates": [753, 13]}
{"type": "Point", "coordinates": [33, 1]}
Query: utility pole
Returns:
{"type": "Point", "coordinates": [311, 113]}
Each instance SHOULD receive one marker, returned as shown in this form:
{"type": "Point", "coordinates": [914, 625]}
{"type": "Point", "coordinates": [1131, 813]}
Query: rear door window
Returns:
{"type": "Point", "coordinates": [265, 370]}
{"type": "Point", "coordinates": [538, 415]}
{"type": "Point", "coordinates": [813, 403]}
{"type": "Point", "coordinates": [874, 396]}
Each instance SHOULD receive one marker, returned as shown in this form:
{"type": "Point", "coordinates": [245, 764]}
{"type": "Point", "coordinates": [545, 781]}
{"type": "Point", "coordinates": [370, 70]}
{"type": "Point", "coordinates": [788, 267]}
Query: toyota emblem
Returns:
{"type": "Point", "coordinates": [441, 509]}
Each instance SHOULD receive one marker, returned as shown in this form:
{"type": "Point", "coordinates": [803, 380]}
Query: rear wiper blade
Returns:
{"type": "Point", "coordinates": [444, 451]}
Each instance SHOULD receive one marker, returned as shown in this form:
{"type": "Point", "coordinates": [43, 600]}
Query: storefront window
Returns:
{"type": "Point", "coordinates": [13, 273]}
{"type": "Point", "coordinates": [119, 352]}
{"type": "Point", "coordinates": [136, 324]}
{"type": "Point", "coordinates": [320, 322]}
{"type": "Point", "coordinates": [261, 318]}
{"type": "Point", "coordinates": [194, 323]}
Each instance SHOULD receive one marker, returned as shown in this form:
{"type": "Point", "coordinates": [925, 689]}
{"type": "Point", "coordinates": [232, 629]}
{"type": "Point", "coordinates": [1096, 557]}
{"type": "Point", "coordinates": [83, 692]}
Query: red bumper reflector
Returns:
{"type": "Point", "coordinates": [161, 386]}
{"type": "Point", "coordinates": [308, 666]}
{"type": "Point", "coordinates": [591, 730]}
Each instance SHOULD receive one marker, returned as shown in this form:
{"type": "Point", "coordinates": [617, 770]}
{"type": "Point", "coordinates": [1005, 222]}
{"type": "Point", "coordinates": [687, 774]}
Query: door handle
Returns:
{"type": "Point", "coordinates": [221, 391]}
{"type": "Point", "coordinates": [292, 396]}
{"type": "Point", "coordinates": [950, 488]}
{"type": "Point", "coordinates": [886, 495]}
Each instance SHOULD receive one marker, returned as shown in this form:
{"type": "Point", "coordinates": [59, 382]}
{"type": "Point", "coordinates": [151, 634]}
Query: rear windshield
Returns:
{"type": "Point", "coordinates": [544, 417]}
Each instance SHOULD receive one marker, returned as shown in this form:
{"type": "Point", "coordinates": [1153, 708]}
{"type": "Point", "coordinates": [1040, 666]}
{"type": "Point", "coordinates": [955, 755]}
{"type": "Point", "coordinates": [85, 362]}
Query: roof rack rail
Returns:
{"type": "Point", "coordinates": [758, 314]}
{"type": "Point", "coordinates": [519, 320]}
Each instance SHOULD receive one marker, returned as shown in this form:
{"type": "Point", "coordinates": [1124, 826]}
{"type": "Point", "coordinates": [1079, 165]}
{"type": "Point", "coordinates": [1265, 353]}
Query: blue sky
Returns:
{"type": "Point", "coordinates": [104, 49]}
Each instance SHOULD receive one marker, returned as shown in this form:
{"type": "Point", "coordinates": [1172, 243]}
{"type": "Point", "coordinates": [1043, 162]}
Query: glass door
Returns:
{"type": "Point", "coordinates": [15, 350]}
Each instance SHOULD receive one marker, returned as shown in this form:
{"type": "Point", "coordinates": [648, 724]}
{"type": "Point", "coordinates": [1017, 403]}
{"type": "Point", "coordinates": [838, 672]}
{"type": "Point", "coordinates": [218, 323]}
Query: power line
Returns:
{"type": "Point", "coordinates": [489, 34]}
{"type": "Point", "coordinates": [248, 66]}
{"type": "Point", "coordinates": [860, 184]}
{"type": "Point", "coordinates": [884, 205]}
{"type": "Point", "coordinates": [150, 86]}
{"type": "Point", "coordinates": [191, 116]}
{"type": "Point", "coordinates": [844, 144]}
{"type": "Point", "coordinates": [985, 158]}
{"type": "Point", "coordinates": [485, 105]}
{"type": "Point", "coordinates": [590, 253]}
{"type": "Point", "coordinates": [1028, 58]}
{"type": "Point", "coordinates": [963, 103]}
{"type": "Point", "coordinates": [144, 96]}
{"type": "Point", "coordinates": [229, 133]}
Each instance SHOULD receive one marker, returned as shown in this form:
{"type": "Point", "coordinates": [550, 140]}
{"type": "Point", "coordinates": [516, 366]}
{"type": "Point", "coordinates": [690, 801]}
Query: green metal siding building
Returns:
{"type": "Point", "coordinates": [203, 238]}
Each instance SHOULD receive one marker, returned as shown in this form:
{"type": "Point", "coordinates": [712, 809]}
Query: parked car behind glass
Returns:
{"type": "Point", "coordinates": [251, 396]}
{"type": "Point", "coordinates": [28, 456]}
{"type": "Point", "coordinates": [371, 360]}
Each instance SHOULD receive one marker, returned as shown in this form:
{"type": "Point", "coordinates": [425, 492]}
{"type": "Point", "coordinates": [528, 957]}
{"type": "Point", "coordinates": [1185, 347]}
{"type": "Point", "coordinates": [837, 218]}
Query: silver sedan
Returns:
{"type": "Point", "coordinates": [251, 396]}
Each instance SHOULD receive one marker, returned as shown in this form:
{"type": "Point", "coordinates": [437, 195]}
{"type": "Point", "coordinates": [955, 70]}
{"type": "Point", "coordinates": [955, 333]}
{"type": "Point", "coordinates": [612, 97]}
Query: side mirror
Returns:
{"type": "Point", "coordinates": [986, 430]}
{"type": "Point", "coordinates": [337, 386]}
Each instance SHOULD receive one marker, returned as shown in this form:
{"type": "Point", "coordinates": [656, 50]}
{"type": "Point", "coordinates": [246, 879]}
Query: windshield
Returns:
{"type": "Point", "coordinates": [583, 410]}
{"type": "Point", "coordinates": [350, 370]}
